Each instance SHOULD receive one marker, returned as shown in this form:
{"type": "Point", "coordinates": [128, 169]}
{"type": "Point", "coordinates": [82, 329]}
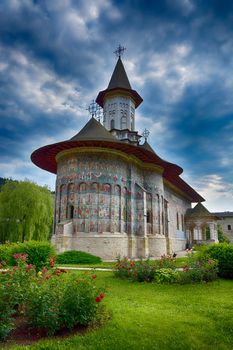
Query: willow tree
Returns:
{"type": "Point", "coordinates": [26, 212]}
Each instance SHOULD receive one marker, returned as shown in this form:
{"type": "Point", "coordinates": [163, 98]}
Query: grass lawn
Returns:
{"type": "Point", "coordinates": [150, 316]}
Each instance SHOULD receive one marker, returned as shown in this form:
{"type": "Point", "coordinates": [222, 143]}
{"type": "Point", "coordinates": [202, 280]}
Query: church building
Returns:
{"type": "Point", "coordinates": [114, 194]}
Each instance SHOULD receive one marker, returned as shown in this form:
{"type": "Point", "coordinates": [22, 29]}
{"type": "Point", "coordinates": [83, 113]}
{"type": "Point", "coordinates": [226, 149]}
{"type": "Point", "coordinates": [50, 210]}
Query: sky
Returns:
{"type": "Point", "coordinates": [55, 56]}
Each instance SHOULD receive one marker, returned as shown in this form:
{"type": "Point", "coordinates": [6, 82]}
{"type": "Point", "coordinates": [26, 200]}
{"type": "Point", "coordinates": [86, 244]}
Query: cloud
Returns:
{"type": "Point", "coordinates": [55, 56]}
{"type": "Point", "coordinates": [219, 194]}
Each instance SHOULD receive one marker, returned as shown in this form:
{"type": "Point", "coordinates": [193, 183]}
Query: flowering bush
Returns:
{"type": "Point", "coordinates": [50, 299]}
{"type": "Point", "coordinates": [141, 271]}
{"type": "Point", "coordinates": [167, 262]}
{"type": "Point", "coordinates": [199, 268]}
{"type": "Point", "coordinates": [38, 252]}
{"type": "Point", "coordinates": [124, 267]}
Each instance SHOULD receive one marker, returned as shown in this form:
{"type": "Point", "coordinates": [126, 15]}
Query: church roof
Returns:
{"type": "Point", "coordinates": [147, 146]}
{"type": "Point", "coordinates": [93, 130]}
{"type": "Point", "coordinates": [119, 82]}
{"type": "Point", "coordinates": [119, 77]}
{"type": "Point", "coordinates": [199, 211]}
{"type": "Point", "coordinates": [93, 134]}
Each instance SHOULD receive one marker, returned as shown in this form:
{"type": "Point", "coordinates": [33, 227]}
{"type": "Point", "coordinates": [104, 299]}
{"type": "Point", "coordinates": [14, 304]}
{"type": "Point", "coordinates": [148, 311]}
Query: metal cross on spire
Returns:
{"type": "Point", "coordinates": [95, 110]}
{"type": "Point", "coordinates": [146, 134]}
{"type": "Point", "coordinates": [119, 51]}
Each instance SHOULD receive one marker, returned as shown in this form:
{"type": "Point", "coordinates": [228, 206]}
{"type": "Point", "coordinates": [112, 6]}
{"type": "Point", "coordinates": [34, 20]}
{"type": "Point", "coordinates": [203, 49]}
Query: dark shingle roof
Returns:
{"type": "Point", "coordinates": [119, 77]}
{"type": "Point", "coordinates": [93, 130]}
{"type": "Point", "coordinates": [224, 214]}
{"type": "Point", "coordinates": [199, 211]}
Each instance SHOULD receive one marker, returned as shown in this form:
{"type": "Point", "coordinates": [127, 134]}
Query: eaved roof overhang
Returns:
{"type": "Point", "coordinates": [118, 90]}
{"type": "Point", "coordinates": [45, 158]}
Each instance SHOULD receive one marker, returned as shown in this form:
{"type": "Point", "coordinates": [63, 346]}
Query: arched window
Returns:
{"type": "Point", "coordinates": [148, 217]}
{"type": "Point", "coordinates": [132, 124]}
{"type": "Point", "coordinates": [112, 124]}
{"type": "Point", "coordinates": [70, 215]}
{"type": "Point", "coordinates": [182, 222]}
{"type": "Point", "coordinates": [62, 203]}
{"type": "Point", "coordinates": [123, 122]}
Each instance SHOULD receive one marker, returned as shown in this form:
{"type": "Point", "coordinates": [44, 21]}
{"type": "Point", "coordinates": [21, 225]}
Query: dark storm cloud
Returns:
{"type": "Point", "coordinates": [56, 55]}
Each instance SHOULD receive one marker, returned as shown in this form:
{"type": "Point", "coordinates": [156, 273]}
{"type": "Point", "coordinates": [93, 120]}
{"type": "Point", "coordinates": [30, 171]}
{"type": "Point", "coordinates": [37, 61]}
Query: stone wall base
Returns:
{"type": "Point", "coordinates": [109, 246]}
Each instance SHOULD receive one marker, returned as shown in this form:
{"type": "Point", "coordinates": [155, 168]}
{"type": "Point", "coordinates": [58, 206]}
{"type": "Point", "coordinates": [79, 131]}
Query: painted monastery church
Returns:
{"type": "Point", "coordinates": [114, 194]}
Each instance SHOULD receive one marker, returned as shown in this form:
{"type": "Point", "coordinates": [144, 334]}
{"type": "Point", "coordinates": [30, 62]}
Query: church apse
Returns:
{"type": "Point", "coordinates": [114, 194]}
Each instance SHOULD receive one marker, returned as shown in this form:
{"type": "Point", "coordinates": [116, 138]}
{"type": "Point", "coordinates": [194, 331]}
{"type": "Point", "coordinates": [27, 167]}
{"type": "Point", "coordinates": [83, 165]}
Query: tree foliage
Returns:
{"type": "Point", "coordinates": [26, 212]}
{"type": "Point", "coordinates": [222, 238]}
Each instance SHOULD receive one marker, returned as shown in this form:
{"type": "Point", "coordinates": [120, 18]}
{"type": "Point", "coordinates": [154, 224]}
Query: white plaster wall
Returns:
{"type": "Point", "coordinates": [157, 246]}
{"type": "Point", "coordinates": [178, 245]}
{"type": "Point", "coordinates": [176, 204]}
{"type": "Point", "coordinates": [224, 224]}
{"type": "Point", "coordinates": [117, 107]}
{"type": "Point", "coordinates": [105, 246]}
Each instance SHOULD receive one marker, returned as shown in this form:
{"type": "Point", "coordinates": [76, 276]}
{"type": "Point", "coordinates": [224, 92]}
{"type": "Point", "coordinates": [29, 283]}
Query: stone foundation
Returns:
{"type": "Point", "coordinates": [109, 246]}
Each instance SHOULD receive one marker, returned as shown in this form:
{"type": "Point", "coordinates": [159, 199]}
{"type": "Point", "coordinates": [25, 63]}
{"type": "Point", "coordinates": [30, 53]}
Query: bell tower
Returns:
{"type": "Point", "coordinates": [119, 102]}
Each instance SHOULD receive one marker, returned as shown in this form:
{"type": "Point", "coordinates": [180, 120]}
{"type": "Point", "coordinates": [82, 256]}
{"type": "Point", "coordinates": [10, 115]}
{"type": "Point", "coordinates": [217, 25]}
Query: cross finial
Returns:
{"type": "Point", "coordinates": [95, 110]}
{"type": "Point", "coordinates": [119, 51]}
{"type": "Point", "coordinates": [146, 134]}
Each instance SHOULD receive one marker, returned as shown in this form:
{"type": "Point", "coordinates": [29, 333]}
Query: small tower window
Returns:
{"type": "Point", "coordinates": [112, 124]}
{"type": "Point", "coordinates": [123, 122]}
{"type": "Point", "coordinates": [229, 227]}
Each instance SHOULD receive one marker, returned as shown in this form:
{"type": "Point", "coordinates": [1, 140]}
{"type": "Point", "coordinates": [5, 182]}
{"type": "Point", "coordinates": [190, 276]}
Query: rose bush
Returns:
{"type": "Point", "coordinates": [50, 299]}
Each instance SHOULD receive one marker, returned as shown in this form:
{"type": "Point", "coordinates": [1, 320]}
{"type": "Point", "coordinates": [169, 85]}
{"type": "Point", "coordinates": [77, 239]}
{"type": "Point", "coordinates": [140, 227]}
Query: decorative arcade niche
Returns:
{"type": "Point", "coordinates": [94, 207]}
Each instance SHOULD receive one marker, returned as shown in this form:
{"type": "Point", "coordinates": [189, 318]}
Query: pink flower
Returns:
{"type": "Point", "coordinates": [101, 295]}
{"type": "Point", "coordinates": [98, 299]}
{"type": "Point", "coordinates": [29, 267]}
{"type": "Point", "coordinates": [94, 277]}
{"type": "Point", "coordinates": [20, 256]}
{"type": "Point", "coordinates": [51, 262]}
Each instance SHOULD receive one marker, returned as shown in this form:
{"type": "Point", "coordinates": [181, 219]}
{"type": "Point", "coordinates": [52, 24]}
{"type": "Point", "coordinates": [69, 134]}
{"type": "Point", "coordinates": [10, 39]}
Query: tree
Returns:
{"type": "Point", "coordinates": [222, 238]}
{"type": "Point", "coordinates": [26, 212]}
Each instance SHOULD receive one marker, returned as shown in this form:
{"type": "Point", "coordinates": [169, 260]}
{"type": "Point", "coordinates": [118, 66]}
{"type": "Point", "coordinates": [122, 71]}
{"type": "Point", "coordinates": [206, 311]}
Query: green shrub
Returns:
{"type": "Point", "coordinates": [78, 303]}
{"type": "Point", "coordinates": [6, 251]}
{"type": "Point", "coordinates": [223, 253]}
{"type": "Point", "coordinates": [199, 268]}
{"type": "Point", "coordinates": [38, 252]}
{"type": "Point", "coordinates": [43, 305]}
{"type": "Point", "coordinates": [222, 238]}
{"type": "Point", "coordinates": [141, 271]}
{"type": "Point", "coordinates": [6, 311]}
{"type": "Point", "coordinates": [166, 276]}
{"type": "Point", "coordinates": [124, 268]}
{"type": "Point", "coordinates": [167, 261]}
{"type": "Point", "coordinates": [77, 257]}
{"type": "Point", "coordinates": [50, 299]}
{"type": "Point", "coordinates": [63, 302]}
